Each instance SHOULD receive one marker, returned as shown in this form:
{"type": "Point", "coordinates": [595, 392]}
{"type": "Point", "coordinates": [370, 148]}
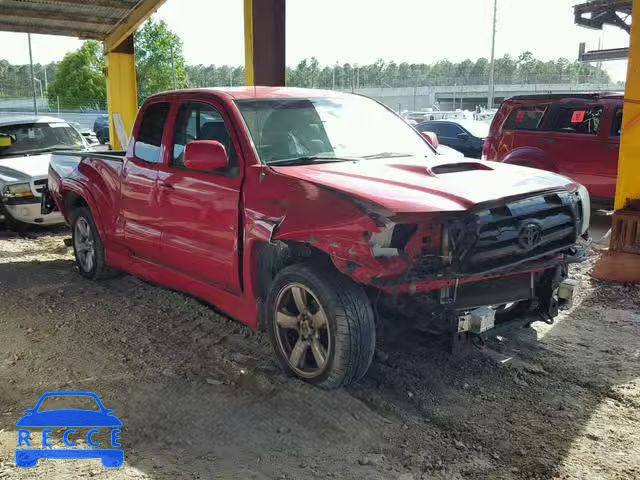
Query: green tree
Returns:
{"type": "Point", "coordinates": [79, 79]}
{"type": "Point", "coordinates": [158, 59]}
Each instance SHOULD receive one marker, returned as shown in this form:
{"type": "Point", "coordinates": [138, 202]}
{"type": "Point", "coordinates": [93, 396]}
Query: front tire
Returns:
{"type": "Point", "coordinates": [321, 325]}
{"type": "Point", "coordinates": [88, 247]}
{"type": "Point", "coordinates": [11, 223]}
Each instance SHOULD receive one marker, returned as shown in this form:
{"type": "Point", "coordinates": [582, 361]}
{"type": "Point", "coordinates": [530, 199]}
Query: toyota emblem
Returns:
{"type": "Point", "coordinates": [530, 236]}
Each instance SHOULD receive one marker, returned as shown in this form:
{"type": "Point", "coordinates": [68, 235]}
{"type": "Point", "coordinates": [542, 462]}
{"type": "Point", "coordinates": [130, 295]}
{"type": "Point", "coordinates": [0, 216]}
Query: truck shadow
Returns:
{"type": "Point", "coordinates": [200, 395]}
{"type": "Point", "coordinates": [516, 407]}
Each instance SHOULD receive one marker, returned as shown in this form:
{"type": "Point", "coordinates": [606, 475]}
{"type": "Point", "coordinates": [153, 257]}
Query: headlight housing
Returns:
{"type": "Point", "coordinates": [17, 190]}
{"type": "Point", "coordinates": [585, 204]}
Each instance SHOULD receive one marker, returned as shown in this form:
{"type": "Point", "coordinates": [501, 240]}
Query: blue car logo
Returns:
{"type": "Point", "coordinates": [68, 418]}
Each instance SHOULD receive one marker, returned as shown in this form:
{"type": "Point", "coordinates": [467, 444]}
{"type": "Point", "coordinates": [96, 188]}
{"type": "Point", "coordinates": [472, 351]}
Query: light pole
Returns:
{"type": "Point", "coordinates": [40, 85]}
{"type": "Point", "coordinates": [493, 59]}
{"type": "Point", "coordinates": [46, 82]}
{"type": "Point", "coordinates": [173, 68]}
{"type": "Point", "coordinates": [33, 78]}
{"type": "Point", "coordinates": [334, 75]}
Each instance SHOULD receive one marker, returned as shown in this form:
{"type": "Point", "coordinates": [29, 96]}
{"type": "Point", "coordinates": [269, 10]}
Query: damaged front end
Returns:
{"type": "Point", "coordinates": [504, 253]}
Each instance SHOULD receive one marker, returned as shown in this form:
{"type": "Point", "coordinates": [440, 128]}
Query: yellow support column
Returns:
{"type": "Point", "coordinates": [628, 186]}
{"type": "Point", "coordinates": [248, 43]}
{"type": "Point", "coordinates": [122, 93]}
{"type": "Point", "coordinates": [622, 262]}
{"type": "Point", "coordinates": [264, 42]}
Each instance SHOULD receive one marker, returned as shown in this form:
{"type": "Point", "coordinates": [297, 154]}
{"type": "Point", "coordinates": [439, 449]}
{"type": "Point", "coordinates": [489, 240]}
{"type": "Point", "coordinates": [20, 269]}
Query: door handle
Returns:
{"type": "Point", "coordinates": [166, 186]}
{"type": "Point", "coordinates": [548, 141]}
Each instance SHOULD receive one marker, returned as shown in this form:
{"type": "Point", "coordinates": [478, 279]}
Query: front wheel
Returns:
{"type": "Point", "coordinates": [321, 325]}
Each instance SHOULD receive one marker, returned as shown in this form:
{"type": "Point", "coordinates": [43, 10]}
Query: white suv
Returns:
{"type": "Point", "coordinates": [26, 144]}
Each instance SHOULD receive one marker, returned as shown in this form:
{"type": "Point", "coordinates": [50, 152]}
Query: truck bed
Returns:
{"type": "Point", "coordinates": [66, 161]}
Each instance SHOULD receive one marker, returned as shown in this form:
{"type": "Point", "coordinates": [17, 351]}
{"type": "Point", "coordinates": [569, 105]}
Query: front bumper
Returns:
{"type": "Point", "coordinates": [30, 213]}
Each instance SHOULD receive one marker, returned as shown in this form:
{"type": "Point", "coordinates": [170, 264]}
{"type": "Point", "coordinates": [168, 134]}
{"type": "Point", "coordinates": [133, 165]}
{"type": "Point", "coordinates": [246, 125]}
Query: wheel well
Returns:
{"type": "Point", "coordinates": [72, 201]}
{"type": "Point", "coordinates": [273, 257]}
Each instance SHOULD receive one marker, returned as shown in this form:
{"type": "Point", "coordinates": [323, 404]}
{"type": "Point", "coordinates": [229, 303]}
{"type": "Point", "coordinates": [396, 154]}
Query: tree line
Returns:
{"type": "Point", "coordinates": [78, 80]}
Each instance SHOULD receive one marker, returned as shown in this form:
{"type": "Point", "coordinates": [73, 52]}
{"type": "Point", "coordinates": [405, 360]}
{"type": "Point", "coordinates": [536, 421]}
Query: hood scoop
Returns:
{"type": "Point", "coordinates": [456, 167]}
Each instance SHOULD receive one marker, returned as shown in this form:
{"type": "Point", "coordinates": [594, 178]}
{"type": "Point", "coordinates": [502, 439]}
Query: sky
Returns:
{"type": "Point", "coordinates": [361, 31]}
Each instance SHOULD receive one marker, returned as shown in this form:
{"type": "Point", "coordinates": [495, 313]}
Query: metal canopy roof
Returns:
{"type": "Point", "coordinates": [108, 20]}
{"type": "Point", "coordinates": [597, 13]}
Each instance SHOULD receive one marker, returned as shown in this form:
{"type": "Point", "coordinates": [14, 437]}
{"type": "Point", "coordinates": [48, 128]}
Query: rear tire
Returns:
{"type": "Point", "coordinates": [321, 325]}
{"type": "Point", "coordinates": [88, 247]}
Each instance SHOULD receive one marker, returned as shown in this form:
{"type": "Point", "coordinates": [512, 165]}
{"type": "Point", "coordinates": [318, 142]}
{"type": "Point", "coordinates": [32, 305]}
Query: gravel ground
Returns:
{"type": "Point", "coordinates": [200, 395]}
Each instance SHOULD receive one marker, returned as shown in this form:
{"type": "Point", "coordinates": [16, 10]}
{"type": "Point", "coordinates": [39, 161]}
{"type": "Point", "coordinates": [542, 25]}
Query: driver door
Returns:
{"type": "Point", "coordinates": [200, 210]}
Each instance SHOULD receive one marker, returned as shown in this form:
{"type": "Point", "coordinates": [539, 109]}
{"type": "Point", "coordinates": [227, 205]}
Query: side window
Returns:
{"type": "Point", "coordinates": [200, 121]}
{"type": "Point", "coordinates": [449, 130]}
{"type": "Point", "coordinates": [428, 127]}
{"type": "Point", "coordinates": [149, 139]}
{"type": "Point", "coordinates": [616, 127]}
{"type": "Point", "coordinates": [525, 118]}
{"type": "Point", "coordinates": [584, 119]}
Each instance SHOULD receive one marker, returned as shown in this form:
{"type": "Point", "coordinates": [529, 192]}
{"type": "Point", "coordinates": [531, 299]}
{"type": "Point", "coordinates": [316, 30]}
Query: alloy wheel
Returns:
{"type": "Point", "coordinates": [302, 330]}
{"type": "Point", "coordinates": [83, 240]}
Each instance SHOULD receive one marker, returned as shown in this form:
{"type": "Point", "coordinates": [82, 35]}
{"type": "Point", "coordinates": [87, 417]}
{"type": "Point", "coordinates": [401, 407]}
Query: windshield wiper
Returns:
{"type": "Point", "coordinates": [386, 155]}
{"type": "Point", "coordinates": [309, 160]}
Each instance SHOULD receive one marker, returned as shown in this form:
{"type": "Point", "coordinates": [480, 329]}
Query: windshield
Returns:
{"type": "Point", "coordinates": [342, 128]}
{"type": "Point", "coordinates": [37, 137]}
{"type": "Point", "coordinates": [476, 128]}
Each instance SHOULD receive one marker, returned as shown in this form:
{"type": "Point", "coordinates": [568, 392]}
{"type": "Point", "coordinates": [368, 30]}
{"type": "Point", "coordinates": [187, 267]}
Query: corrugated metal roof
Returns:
{"type": "Point", "coordinates": [75, 18]}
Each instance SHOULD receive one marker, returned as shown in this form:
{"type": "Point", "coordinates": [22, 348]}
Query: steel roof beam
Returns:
{"type": "Point", "coordinates": [50, 30]}
{"type": "Point", "coordinates": [39, 14]}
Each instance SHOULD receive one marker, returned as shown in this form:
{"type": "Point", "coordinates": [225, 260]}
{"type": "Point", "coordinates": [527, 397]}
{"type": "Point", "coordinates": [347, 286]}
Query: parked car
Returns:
{"type": "Point", "coordinates": [101, 128]}
{"type": "Point", "coordinates": [575, 135]}
{"type": "Point", "coordinates": [26, 144]}
{"type": "Point", "coordinates": [304, 212]}
{"type": "Point", "coordinates": [440, 149]}
{"type": "Point", "coordinates": [465, 136]}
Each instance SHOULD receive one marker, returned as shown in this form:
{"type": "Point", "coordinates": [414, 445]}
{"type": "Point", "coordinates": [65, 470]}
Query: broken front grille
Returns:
{"type": "Point", "coordinates": [519, 230]}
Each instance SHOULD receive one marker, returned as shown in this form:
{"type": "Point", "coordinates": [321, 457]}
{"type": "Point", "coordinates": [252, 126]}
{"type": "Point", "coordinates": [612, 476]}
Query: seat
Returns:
{"type": "Point", "coordinates": [214, 131]}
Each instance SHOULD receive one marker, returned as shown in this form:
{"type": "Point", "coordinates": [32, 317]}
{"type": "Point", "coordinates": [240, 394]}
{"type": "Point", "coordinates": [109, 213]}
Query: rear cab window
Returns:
{"type": "Point", "coordinates": [526, 118]}
{"type": "Point", "coordinates": [149, 139]}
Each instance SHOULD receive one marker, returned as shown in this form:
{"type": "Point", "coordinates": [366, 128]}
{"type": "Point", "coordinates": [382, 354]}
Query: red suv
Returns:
{"type": "Point", "coordinates": [576, 135]}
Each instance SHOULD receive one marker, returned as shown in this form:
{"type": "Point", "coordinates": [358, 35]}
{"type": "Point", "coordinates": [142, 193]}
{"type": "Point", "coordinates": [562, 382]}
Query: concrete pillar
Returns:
{"type": "Point", "coordinates": [628, 186]}
{"type": "Point", "coordinates": [622, 262]}
{"type": "Point", "coordinates": [122, 93]}
{"type": "Point", "coordinates": [264, 37]}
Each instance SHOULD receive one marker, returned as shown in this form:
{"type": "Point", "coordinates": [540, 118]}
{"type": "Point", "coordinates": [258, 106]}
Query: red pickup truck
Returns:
{"type": "Point", "coordinates": [304, 213]}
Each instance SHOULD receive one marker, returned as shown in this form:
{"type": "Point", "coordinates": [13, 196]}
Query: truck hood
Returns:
{"type": "Point", "coordinates": [432, 184]}
{"type": "Point", "coordinates": [24, 168]}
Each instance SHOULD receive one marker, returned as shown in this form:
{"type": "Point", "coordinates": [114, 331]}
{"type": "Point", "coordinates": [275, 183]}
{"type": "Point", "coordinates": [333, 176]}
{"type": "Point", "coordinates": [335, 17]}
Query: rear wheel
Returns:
{"type": "Point", "coordinates": [88, 247]}
{"type": "Point", "coordinates": [321, 325]}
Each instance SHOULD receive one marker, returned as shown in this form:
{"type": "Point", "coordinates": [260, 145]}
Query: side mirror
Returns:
{"type": "Point", "coordinates": [432, 139]}
{"type": "Point", "coordinates": [6, 140]}
{"type": "Point", "coordinates": [205, 155]}
{"type": "Point", "coordinates": [463, 136]}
